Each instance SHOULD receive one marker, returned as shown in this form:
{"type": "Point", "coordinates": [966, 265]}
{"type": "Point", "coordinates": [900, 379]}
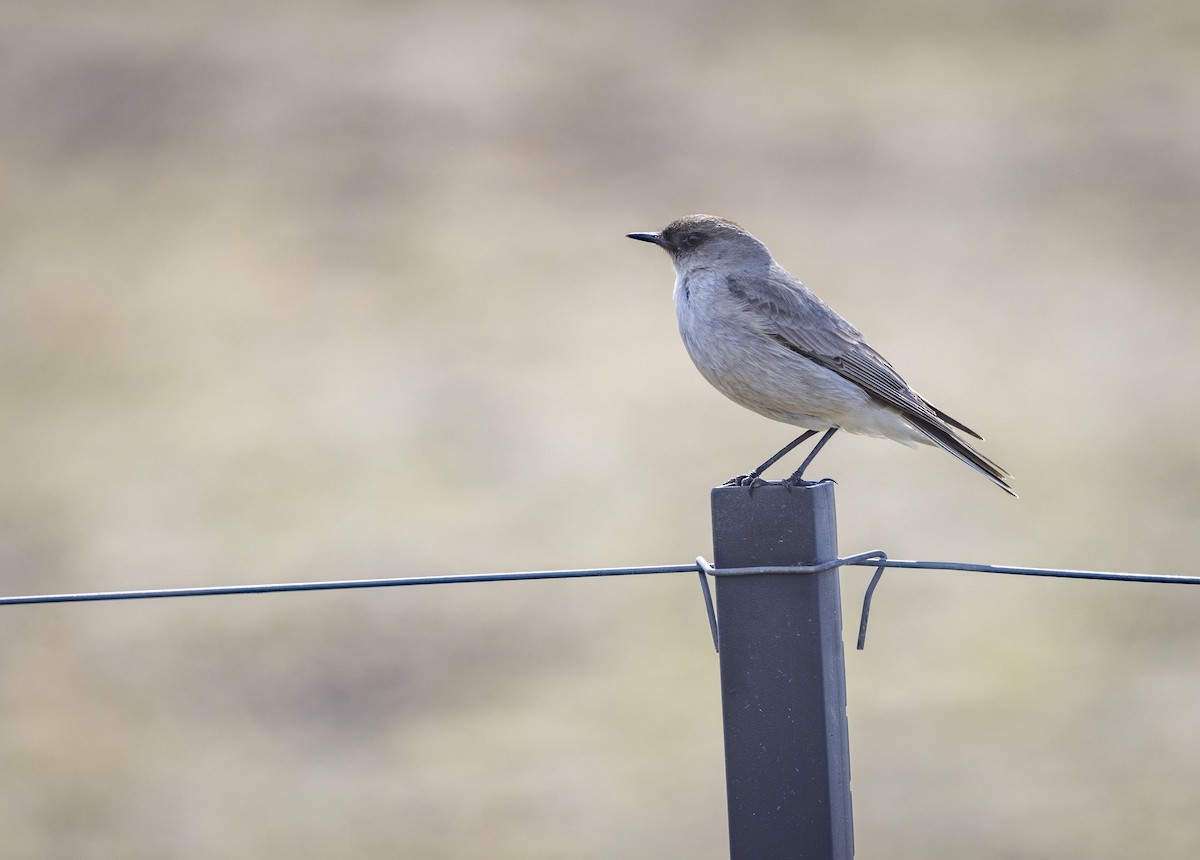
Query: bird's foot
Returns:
{"type": "Point", "coordinates": [795, 481]}
{"type": "Point", "coordinates": [752, 481]}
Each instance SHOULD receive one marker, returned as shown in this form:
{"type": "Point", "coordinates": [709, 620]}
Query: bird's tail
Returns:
{"type": "Point", "coordinates": [945, 439]}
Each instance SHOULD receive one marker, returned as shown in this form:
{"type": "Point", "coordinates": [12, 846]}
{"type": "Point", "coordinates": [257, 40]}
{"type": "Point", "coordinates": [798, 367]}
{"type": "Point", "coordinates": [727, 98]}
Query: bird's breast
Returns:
{"type": "Point", "coordinates": [717, 329]}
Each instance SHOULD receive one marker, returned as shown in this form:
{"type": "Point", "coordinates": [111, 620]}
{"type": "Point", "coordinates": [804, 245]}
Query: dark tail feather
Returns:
{"type": "Point", "coordinates": [947, 441]}
{"type": "Point", "coordinates": [954, 422]}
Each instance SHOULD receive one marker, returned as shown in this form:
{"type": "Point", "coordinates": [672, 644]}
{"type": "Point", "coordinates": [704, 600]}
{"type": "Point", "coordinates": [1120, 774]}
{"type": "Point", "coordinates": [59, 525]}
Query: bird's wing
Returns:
{"type": "Point", "coordinates": [799, 320]}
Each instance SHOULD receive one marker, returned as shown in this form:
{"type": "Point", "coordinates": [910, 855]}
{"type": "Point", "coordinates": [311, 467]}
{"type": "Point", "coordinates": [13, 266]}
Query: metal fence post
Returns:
{"type": "Point", "coordinates": [783, 681]}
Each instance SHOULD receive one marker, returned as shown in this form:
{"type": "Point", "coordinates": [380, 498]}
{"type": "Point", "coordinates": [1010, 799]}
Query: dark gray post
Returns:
{"type": "Point", "coordinates": [783, 680]}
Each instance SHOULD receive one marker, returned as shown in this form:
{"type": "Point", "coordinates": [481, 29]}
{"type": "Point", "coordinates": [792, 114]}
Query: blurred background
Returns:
{"type": "Point", "coordinates": [324, 290]}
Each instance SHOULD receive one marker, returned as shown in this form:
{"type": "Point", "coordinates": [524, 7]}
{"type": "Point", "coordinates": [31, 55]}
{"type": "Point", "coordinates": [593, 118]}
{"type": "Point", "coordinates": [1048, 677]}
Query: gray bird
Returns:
{"type": "Point", "coordinates": [767, 343]}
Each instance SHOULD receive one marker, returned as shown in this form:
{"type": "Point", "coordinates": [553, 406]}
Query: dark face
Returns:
{"type": "Point", "coordinates": [681, 238]}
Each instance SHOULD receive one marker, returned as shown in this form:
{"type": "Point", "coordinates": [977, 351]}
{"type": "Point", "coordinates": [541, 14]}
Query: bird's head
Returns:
{"type": "Point", "coordinates": [704, 241]}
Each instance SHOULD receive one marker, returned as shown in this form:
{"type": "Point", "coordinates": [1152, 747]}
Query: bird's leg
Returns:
{"type": "Point", "coordinates": [754, 479]}
{"type": "Point", "coordinates": [797, 477]}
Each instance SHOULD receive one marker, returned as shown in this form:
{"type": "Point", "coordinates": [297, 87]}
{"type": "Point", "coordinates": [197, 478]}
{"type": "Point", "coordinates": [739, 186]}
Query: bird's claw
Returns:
{"type": "Point", "coordinates": [793, 482]}
{"type": "Point", "coordinates": [751, 481]}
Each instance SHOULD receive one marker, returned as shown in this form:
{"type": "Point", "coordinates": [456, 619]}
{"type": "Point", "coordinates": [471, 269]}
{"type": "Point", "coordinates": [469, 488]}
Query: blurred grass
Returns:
{"type": "Point", "coordinates": [339, 290]}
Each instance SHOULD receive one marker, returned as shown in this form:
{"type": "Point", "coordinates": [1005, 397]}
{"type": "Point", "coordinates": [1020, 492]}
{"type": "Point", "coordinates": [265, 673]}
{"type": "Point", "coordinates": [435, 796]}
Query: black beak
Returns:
{"type": "Point", "coordinates": [653, 238]}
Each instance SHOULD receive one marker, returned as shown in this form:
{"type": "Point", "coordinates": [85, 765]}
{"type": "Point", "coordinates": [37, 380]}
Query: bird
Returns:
{"type": "Point", "coordinates": [765, 341]}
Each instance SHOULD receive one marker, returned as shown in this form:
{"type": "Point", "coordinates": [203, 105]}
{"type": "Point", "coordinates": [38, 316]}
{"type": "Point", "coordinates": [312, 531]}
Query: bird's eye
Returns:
{"type": "Point", "coordinates": [691, 240]}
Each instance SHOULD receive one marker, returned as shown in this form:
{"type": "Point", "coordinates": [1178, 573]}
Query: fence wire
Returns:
{"type": "Point", "coordinates": [877, 559]}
